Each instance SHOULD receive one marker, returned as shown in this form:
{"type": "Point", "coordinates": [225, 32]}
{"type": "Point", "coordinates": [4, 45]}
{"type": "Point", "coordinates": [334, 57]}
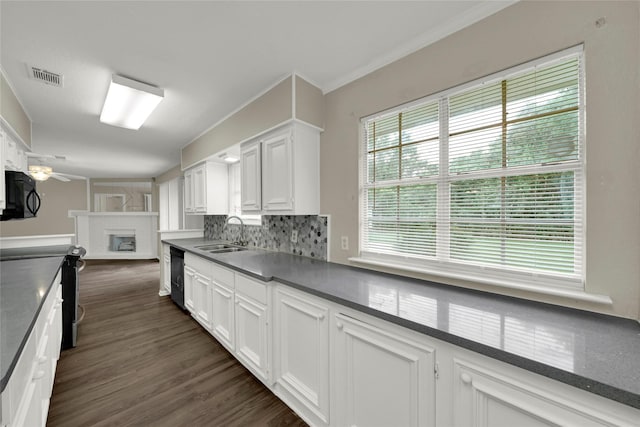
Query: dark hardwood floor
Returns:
{"type": "Point", "coordinates": [142, 361]}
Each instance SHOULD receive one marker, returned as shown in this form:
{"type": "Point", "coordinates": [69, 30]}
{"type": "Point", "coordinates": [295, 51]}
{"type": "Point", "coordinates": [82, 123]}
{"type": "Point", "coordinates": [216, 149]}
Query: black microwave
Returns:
{"type": "Point", "coordinates": [22, 200]}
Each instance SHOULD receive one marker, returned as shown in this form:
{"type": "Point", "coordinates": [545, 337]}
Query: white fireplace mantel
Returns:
{"type": "Point", "coordinates": [117, 235]}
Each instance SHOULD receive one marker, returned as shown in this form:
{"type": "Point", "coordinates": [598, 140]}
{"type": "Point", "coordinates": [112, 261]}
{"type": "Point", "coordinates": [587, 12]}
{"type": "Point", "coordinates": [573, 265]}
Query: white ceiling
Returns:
{"type": "Point", "coordinates": [209, 57]}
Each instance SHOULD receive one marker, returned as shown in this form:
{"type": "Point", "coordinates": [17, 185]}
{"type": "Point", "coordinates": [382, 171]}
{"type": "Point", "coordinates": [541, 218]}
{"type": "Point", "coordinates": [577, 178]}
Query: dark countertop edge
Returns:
{"type": "Point", "coordinates": [587, 384]}
{"type": "Point", "coordinates": [5, 380]}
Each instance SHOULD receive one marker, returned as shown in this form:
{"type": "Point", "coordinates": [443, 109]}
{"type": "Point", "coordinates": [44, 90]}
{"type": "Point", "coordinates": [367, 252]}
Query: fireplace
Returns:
{"type": "Point", "coordinates": [121, 240]}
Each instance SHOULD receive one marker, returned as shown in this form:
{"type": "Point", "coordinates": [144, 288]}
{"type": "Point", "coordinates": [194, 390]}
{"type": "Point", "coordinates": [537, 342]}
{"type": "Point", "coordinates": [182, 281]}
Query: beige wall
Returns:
{"type": "Point", "coordinates": [12, 112]}
{"type": "Point", "coordinates": [58, 198]}
{"type": "Point", "coordinates": [517, 34]}
{"type": "Point", "coordinates": [274, 107]}
{"type": "Point", "coordinates": [269, 110]}
{"type": "Point", "coordinates": [309, 103]}
{"type": "Point", "coordinates": [172, 173]}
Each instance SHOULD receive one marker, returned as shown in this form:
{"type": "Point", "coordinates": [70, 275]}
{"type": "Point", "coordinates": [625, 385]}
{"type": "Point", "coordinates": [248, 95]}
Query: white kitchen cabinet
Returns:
{"type": "Point", "coordinates": [202, 300]}
{"type": "Point", "coordinates": [188, 192]}
{"type": "Point", "coordinates": [15, 158]}
{"type": "Point", "coordinates": [189, 284]}
{"type": "Point", "coordinates": [25, 399]}
{"type": "Point", "coordinates": [166, 269]}
{"type": "Point", "coordinates": [206, 189]}
{"type": "Point", "coordinates": [253, 331]}
{"type": "Point", "coordinates": [223, 311]}
{"type": "Point", "coordinates": [491, 393]}
{"type": "Point", "coordinates": [3, 197]}
{"type": "Point", "coordinates": [301, 353]}
{"type": "Point", "coordinates": [380, 377]}
{"type": "Point", "coordinates": [281, 171]}
{"type": "Point", "coordinates": [251, 180]}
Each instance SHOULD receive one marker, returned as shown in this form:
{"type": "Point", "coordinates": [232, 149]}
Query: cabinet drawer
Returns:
{"type": "Point", "coordinates": [251, 288]}
{"type": "Point", "coordinates": [200, 265]}
{"type": "Point", "coordinates": [222, 276]}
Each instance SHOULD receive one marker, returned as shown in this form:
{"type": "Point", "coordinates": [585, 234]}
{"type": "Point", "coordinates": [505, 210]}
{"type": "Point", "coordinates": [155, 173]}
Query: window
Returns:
{"type": "Point", "coordinates": [484, 181]}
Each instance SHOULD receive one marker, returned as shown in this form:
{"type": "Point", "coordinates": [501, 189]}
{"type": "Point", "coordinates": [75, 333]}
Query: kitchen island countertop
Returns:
{"type": "Point", "coordinates": [591, 351]}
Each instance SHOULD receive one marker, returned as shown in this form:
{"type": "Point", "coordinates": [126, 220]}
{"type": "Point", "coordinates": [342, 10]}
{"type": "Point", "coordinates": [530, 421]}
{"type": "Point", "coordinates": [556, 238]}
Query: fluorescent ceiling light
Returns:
{"type": "Point", "coordinates": [129, 102]}
{"type": "Point", "coordinates": [40, 173]}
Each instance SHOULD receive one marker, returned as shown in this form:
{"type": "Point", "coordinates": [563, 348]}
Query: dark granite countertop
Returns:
{"type": "Point", "coordinates": [593, 352]}
{"type": "Point", "coordinates": [24, 285]}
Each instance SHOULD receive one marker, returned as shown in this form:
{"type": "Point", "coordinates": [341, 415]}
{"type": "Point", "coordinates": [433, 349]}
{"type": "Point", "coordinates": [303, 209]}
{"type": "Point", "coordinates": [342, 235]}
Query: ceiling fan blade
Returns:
{"type": "Point", "coordinates": [45, 156]}
{"type": "Point", "coordinates": [60, 177]}
{"type": "Point", "coordinates": [69, 176]}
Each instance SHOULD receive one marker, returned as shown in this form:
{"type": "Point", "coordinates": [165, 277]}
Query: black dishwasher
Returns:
{"type": "Point", "coordinates": [177, 276]}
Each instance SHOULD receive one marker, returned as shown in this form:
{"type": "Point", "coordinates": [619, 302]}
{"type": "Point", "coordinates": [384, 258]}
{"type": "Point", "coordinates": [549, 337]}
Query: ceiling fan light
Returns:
{"type": "Point", "coordinates": [40, 173]}
{"type": "Point", "coordinates": [129, 102]}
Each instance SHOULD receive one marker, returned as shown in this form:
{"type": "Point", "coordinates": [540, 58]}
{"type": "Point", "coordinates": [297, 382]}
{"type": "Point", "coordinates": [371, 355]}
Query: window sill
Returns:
{"type": "Point", "coordinates": [564, 293]}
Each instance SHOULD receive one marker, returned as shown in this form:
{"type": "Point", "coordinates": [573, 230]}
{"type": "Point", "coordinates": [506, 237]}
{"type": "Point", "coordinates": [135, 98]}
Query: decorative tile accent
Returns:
{"type": "Point", "coordinates": [275, 233]}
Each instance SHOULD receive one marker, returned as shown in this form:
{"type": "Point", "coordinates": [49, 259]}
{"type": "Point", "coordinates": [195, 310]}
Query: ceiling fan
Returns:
{"type": "Point", "coordinates": [41, 172]}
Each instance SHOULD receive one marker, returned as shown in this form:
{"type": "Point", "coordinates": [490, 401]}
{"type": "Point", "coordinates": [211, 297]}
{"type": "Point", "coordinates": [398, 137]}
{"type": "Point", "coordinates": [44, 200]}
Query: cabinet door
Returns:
{"type": "Point", "coordinates": [301, 364]}
{"type": "Point", "coordinates": [251, 181]}
{"type": "Point", "coordinates": [487, 397]}
{"type": "Point", "coordinates": [188, 191]}
{"type": "Point", "coordinates": [202, 300]}
{"type": "Point", "coordinates": [222, 320]}
{"type": "Point", "coordinates": [200, 189]}
{"type": "Point", "coordinates": [166, 268]}
{"type": "Point", "coordinates": [252, 336]}
{"type": "Point", "coordinates": [189, 279]}
{"type": "Point", "coordinates": [3, 198]}
{"type": "Point", "coordinates": [277, 172]}
{"type": "Point", "coordinates": [381, 378]}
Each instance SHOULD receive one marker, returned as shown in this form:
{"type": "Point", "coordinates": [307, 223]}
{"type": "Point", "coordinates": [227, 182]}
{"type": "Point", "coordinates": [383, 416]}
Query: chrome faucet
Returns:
{"type": "Point", "coordinates": [241, 241]}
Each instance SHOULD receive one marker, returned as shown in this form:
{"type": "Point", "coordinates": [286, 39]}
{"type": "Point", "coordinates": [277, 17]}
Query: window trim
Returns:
{"type": "Point", "coordinates": [571, 285]}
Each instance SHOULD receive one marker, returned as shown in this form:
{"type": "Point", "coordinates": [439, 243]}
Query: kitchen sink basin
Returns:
{"type": "Point", "coordinates": [215, 247]}
{"type": "Point", "coordinates": [220, 248]}
{"type": "Point", "coordinates": [225, 250]}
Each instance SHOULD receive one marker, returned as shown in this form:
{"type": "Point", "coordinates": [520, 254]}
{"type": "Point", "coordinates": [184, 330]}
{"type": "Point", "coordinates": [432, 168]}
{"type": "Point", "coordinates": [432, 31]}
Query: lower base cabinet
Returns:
{"type": "Point", "coordinates": [336, 366]}
{"type": "Point", "coordinates": [301, 353]}
{"type": "Point", "coordinates": [488, 393]}
{"type": "Point", "coordinates": [252, 336]}
{"type": "Point", "coordinates": [380, 378]}
{"type": "Point", "coordinates": [223, 312]}
{"type": "Point", "coordinates": [25, 399]}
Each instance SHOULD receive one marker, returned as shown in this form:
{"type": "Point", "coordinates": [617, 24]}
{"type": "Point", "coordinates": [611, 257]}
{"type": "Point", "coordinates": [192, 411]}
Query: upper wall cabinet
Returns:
{"type": "Point", "coordinates": [281, 171]}
{"type": "Point", "coordinates": [206, 189]}
{"type": "Point", "coordinates": [15, 159]}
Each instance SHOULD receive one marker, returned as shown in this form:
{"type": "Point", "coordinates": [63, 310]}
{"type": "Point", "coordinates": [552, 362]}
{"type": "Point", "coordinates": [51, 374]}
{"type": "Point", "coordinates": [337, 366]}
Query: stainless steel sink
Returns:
{"type": "Point", "coordinates": [220, 248]}
{"type": "Point", "coordinates": [214, 247]}
{"type": "Point", "coordinates": [225, 250]}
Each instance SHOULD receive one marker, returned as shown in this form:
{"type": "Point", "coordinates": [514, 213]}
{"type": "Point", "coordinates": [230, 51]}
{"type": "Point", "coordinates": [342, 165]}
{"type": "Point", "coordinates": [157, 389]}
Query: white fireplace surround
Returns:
{"type": "Point", "coordinates": [117, 235]}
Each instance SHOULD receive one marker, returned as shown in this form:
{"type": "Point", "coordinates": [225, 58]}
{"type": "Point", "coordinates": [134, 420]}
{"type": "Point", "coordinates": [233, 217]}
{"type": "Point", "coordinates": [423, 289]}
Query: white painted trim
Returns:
{"type": "Point", "coordinates": [264, 91]}
{"type": "Point", "coordinates": [32, 241]}
{"type": "Point", "coordinates": [473, 15]}
{"type": "Point", "coordinates": [564, 293]}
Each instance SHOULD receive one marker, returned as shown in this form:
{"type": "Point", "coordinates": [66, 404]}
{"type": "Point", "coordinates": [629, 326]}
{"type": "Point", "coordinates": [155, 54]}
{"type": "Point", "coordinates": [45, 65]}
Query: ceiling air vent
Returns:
{"type": "Point", "coordinates": [45, 76]}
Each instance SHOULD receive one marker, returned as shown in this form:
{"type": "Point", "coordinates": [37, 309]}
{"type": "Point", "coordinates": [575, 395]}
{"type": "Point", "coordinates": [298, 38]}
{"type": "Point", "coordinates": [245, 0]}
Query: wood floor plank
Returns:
{"type": "Point", "coordinates": [141, 361]}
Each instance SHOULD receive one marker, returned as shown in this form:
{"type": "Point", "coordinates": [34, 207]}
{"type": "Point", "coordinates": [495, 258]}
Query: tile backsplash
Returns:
{"type": "Point", "coordinates": [275, 233]}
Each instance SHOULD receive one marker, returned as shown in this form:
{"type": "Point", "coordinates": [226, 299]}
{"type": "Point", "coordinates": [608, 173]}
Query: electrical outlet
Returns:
{"type": "Point", "coordinates": [344, 242]}
{"type": "Point", "coordinates": [294, 236]}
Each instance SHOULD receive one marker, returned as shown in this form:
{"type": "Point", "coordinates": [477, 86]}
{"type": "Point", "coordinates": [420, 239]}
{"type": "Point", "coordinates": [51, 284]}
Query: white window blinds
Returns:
{"type": "Point", "coordinates": [485, 179]}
